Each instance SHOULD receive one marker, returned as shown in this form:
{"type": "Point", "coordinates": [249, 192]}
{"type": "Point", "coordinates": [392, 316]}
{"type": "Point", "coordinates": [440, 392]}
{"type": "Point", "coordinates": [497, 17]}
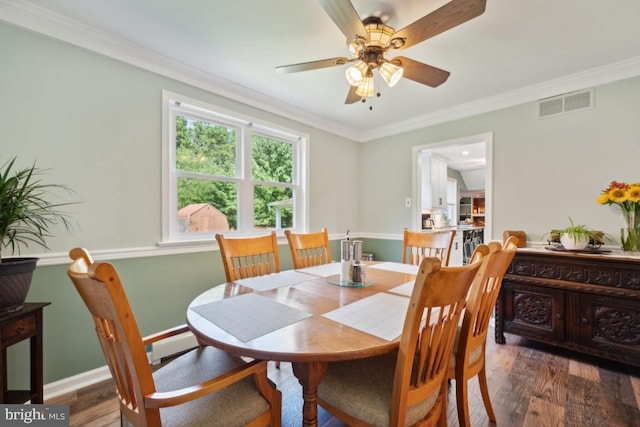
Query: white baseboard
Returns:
{"type": "Point", "coordinates": [161, 349]}
{"type": "Point", "coordinates": [70, 384]}
{"type": "Point", "coordinates": [173, 345]}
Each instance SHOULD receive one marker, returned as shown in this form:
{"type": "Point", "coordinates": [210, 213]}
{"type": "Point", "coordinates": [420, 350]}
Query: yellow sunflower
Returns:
{"type": "Point", "coordinates": [603, 199]}
{"type": "Point", "coordinates": [633, 194]}
{"type": "Point", "coordinates": [617, 195]}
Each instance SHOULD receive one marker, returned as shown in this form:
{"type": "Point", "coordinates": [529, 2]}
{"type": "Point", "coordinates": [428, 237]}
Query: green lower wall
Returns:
{"type": "Point", "coordinates": [383, 250]}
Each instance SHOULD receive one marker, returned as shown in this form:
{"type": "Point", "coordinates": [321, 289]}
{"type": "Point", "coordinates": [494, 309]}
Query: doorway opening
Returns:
{"type": "Point", "coordinates": [474, 168]}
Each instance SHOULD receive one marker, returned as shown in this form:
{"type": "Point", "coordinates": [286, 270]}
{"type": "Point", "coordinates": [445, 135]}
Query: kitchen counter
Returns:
{"type": "Point", "coordinates": [459, 228]}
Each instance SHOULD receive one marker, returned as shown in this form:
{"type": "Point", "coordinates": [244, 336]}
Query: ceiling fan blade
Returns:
{"type": "Point", "coordinates": [345, 16]}
{"type": "Point", "coordinates": [446, 17]}
{"type": "Point", "coordinates": [352, 96]}
{"type": "Point", "coordinates": [422, 73]}
{"type": "Point", "coordinates": [313, 65]}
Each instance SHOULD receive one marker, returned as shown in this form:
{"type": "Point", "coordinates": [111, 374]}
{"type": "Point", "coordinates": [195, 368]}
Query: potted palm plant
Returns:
{"type": "Point", "coordinates": [26, 215]}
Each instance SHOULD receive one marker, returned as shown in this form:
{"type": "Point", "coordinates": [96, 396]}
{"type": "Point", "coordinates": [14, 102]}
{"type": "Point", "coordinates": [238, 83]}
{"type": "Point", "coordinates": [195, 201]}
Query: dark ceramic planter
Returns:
{"type": "Point", "coordinates": [15, 281]}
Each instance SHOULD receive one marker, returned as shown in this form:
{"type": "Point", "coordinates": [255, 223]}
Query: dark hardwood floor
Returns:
{"type": "Point", "coordinates": [530, 384]}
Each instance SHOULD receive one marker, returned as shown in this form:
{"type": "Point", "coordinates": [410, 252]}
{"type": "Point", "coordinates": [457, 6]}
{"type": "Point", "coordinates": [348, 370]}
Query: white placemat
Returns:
{"type": "Point", "coordinates": [381, 315]}
{"type": "Point", "coordinates": [324, 270]}
{"type": "Point", "coordinates": [404, 289]}
{"type": "Point", "coordinates": [397, 266]}
{"type": "Point", "coordinates": [250, 316]}
{"type": "Point", "coordinates": [273, 281]}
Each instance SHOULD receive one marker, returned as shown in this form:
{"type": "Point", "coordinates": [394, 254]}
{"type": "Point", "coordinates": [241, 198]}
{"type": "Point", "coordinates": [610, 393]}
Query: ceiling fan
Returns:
{"type": "Point", "coordinates": [370, 39]}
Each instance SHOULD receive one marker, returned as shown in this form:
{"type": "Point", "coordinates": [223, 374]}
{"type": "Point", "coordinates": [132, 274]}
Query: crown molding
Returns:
{"type": "Point", "coordinates": [39, 20]}
{"type": "Point", "coordinates": [23, 14]}
{"type": "Point", "coordinates": [585, 79]}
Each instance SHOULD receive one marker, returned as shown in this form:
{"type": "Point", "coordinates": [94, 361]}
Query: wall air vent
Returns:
{"type": "Point", "coordinates": [566, 103]}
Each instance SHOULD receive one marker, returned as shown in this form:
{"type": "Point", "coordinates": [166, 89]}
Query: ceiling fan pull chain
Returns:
{"type": "Point", "coordinates": [378, 94]}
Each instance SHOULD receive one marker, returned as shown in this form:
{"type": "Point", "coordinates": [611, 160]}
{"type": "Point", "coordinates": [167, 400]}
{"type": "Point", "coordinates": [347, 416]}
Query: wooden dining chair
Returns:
{"type": "Point", "coordinates": [202, 387]}
{"type": "Point", "coordinates": [520, 234]}
{"type": "Point", "coordinates": [407, 386]}
{"type": "Point", "coordinates": [468, 357]}
{"type": "Point", "coordinates": [418, 245]}
{"type": "Point", "coordinates": [244, 257]}
{"type": "Point", "coordinates": [309, 249]}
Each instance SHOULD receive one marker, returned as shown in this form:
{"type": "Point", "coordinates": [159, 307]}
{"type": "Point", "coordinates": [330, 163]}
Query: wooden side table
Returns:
{"type": "Point", "coordinates": [16, 327]}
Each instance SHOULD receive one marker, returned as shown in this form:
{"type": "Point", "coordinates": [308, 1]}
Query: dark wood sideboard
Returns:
{"type": "Point", "coordinates": [584, 302]}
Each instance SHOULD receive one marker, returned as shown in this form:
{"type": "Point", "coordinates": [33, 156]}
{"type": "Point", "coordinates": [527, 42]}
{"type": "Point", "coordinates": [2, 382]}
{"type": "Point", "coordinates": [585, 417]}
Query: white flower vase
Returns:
{"type": "Point", "coordinates": [572, 244]}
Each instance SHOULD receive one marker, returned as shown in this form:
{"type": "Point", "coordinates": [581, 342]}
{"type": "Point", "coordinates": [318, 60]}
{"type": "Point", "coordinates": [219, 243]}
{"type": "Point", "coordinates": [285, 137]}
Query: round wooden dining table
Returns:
{"type": "Point", "coordinates": [311, 339]}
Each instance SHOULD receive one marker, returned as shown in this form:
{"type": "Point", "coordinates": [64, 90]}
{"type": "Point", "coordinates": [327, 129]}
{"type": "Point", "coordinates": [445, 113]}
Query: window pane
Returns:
{"type": "Point", "coordinates": [272, 160]}
{"type": "Point", "coordinates": [205, 147]}
{"type": "Point", "coordinates": [273, 207]}
{"type": "Point", "coordinates": [205, 206]}
{"type": "Point", "coordinates": [223, 172]}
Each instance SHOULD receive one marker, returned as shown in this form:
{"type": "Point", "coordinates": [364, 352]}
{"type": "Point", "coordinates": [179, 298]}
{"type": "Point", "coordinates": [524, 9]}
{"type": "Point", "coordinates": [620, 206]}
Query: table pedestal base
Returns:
{"type": "Point", "coordinates": [309, 375]}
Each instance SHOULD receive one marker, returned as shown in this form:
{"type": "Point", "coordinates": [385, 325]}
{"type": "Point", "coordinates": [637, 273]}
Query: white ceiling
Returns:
{"type": "Point", "coordinates": [517, 51]}
{"type": "Point", "coordinates": [462, 157]}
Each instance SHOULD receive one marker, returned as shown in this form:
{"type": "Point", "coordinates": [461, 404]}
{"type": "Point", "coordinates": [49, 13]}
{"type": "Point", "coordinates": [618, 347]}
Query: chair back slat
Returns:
{"type": "Point", "coordinates": [309, 249]}
{"type": "Point", "coordinates": [252, 265]}
{"type": "Point", "coordinates": [417, 246]}
{"type": "Point", "coordinates": [244, 257]}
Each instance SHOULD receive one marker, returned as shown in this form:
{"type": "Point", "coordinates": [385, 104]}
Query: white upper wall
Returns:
{"type": "Point", "coordinates": [96, 123]}
{"type": "Point", "coordinates": [544, 170]}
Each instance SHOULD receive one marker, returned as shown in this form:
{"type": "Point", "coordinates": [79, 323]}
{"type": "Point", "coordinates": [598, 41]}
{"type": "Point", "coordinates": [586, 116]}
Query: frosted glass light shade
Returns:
{"type": "Point", "coordinates": [356, 73]}
{"type": "Point", "coordinates": [365, 89]}
{"type": "Point", "coordinates": [354, 48]}
{"type": "Point", "coordinates": [390, 72]}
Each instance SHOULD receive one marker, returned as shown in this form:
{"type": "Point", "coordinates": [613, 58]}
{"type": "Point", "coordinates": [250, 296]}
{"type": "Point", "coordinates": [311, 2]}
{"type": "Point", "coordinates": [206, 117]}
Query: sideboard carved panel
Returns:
{"type": "Point", "coordinates": [533, 308]}
{"type": "Point", "coordinates": [616, 326]}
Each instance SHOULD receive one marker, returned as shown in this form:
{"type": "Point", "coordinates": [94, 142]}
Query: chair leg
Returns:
{"type": "Point", "coordinates": [462, 402]}
{"type": "Point", "coordinates": [484, 390]}
{"type": "Point", "coordinates": [442, 420]}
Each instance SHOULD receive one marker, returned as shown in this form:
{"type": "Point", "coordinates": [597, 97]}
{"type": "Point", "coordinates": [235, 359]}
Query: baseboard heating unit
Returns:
{"type": "Point", "coordinates": [173, 345]}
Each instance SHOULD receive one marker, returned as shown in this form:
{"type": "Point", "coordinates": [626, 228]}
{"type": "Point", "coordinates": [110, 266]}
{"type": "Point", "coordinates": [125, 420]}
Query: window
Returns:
{"type": "Point", "coordinates": [224, 172]}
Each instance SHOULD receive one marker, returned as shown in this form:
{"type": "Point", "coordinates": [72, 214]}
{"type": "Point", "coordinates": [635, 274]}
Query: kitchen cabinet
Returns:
{"type": "Point", "coordinates": [582, 302]}
{"type": "Point", "coordinates": [465, 208]}
{"type": "Point", "coordinates": [472, 206]}
{"type": "Point", "coordinates": [434, 182]}
{"type": "Point", "coordinates": [456, 256]}
{"type": "Point", "coordinates": [477, 212]}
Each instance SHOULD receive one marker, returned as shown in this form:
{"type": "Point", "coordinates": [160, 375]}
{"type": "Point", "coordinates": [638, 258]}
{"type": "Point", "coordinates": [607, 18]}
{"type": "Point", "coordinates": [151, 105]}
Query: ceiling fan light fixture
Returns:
{"type": "Point", "coordinates": [356, 73]}
{"type": "Point", "coordinates": [353, 49]}
{"type": "Point", "coordinates": [397, 42]}
{"type": "Point", "coordinates": [356, 46]}
{"type": "Point", "coordinates": [365, 89]}
{"type": "Point", "coordinates": [379, 34]}
{"type": "Point", "coordinates": [391, 72]}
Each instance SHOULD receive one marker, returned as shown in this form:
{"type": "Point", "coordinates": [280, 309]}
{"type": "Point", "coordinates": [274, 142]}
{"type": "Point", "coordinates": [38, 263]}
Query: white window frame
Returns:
{"type": "Point", "coordinates": [175, 104]}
